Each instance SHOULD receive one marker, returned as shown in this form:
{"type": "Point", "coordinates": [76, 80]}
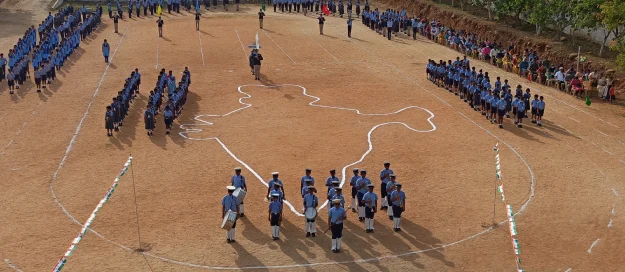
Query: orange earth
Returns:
{"type": "Point", "coordinates": [57, 163]}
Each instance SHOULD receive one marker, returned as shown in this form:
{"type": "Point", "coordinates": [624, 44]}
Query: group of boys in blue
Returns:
{"type": "Point", "coordinates": [494, 102]}
{"type": "Point", "coordinates": [118, 110]}
{"type": "Point", "coordinates": [58, 37]}
{"type": "Point", "coordinates": [386, 23]}
{"type": "Point", "coordinates": [297, 5]}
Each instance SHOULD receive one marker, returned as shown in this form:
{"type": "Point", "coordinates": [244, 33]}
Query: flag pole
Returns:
{"type": "Point", "coordinates": [579, 51]}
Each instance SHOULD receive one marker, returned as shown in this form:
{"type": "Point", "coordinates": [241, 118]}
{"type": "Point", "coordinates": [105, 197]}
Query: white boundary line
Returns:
{"type": "Point", "coordinates": [614, 192]}
{"type": "Point", "coordinates": [201, 49]}
{"type": "Point", "coordinates": [11, 265]}
{"type": "Point", "coordinates": [592, 245]}
{"type": "Point", "coordinates": [157, 47]}
{"type": "Point", "coordinates": [602, 133]}
{"type": "Point", "coordinates": [337, 60]}
{"type": "Point", "coordinates": [78, 128]}
{"type": "Point", "coordinates": [274, 42]}
{"type": "Point", "coordinates": [612, 214]}
{"type": "Point", "coordinates": [242, 46]}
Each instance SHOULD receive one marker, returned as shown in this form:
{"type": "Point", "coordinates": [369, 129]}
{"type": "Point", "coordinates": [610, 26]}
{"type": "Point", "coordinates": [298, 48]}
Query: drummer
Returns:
{"type": "Point", "coordinates": [398, 198]}
{"type": "Point", "coordinates": [277, 190]}
{"type": "Point", "coordinates": [330, 179]}
{"type": "Point", "coordinates": [352, 183]}
{"type": "Point", "coordinates": [308, 182]}
{"type": "Point", "coordinates": [361, 186]}
{"type": "Point", "coordinates": [238, 181]}
{"type": "Point", "coordinates": [311, 202]}
{"type": "Point", "coordinates": [271, 185]}
{"type": "Point", "coordinates": [230, 203]}
{"type": "Point", "coordinates": [332, 192]}
{"type": "Point", "coordinates": [304, 183]}
{"type": "Point", "coordinates": [275, 216]}
{"type": "Point", "coordinates": [390, 187]}
{"type": "Point", "coordinates": [338, 194]}
{"type": "Point", "coordinates": [337, 215]}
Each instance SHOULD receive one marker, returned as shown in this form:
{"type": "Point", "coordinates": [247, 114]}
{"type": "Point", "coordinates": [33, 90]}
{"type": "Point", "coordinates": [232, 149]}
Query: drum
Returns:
{"type": "Point", "coordinates": [229, 220]}
{"type": "Point", "coordinates": [239, 193]}
{"type": "Point", "coordinates": [310, 213]}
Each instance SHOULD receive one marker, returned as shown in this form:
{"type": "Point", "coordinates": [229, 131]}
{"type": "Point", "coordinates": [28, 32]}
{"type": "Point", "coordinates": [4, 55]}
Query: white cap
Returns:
{"type": "Point", "coordinates": [335, 182]}
{"type": "Point", "coordinates": [370, 185]}
{"type": "Point", "coordinates": [336, 201]}
{"type": "Point", "coordinates": [275, 173]}
{"type": "Point", "coordinates": [231, 188]}
{"type": "Point", "coordinates": [275, 195]}
{"type": "Point", "coordinates": [237, 169]}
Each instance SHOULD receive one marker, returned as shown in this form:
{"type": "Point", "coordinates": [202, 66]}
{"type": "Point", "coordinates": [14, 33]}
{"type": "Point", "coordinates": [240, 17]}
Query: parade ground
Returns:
{"type": "Point", "coordinates": [323, 102]}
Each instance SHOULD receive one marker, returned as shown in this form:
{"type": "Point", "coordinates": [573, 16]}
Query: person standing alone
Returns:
{"type": "Point", "coordinates": [349, 27]}
{"type": "Point", "coordinates": [261, 14]}
{"type": "Point", "coordinates": [321, 22]}
{"type": "Point", "coordinates": [197, 20]}
{"type": "Point", "coordinates": [257, 58]}
{"type": "Point", "coordinates": [159, 22]}
{"type": "Point", "coordinates": [106, 49]}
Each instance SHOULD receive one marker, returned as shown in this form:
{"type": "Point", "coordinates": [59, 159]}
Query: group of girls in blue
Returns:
{"type": "Point", "coordinates": [118, 110]}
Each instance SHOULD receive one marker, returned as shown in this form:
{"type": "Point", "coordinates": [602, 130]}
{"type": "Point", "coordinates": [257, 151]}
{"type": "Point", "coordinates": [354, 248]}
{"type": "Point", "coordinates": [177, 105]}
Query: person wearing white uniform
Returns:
{"type": "Point", "coordinates": [398, 198]}
{"type": "Point", "coordinates": [238, 181]}
{"type": "Point", "coordinates": [311, 201]}
{"type": "Point", "coordinates": [370, 199]}
{"type": "Point", "coordinates": [390, 187]}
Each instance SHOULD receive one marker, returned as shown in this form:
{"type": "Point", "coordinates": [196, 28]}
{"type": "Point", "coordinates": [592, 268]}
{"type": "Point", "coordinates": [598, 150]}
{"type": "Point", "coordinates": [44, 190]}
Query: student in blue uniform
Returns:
{"type": "Point", "coordinates": [304, 179]}
{"type": "Point", "coordinates": [275, 216]}
{"type": "Point", "coordinates": [501, 111]}
{"type": "Point", "coordinates": [332, 192]}
{"type": "Point", "coordinates": [311, 201]}
{"type": "Point", "coordinates": [230, 203]}
{"type": "Point", "coordinates": [330, 179]}
{"type": "Point", "coordinates": [337, 215]}
{"type": "Point", "coordinates": [352, 183]}
{"type": "Point", "coordinates": [541, 111]}
{"type": "Point", "coordinates": [361, 186]}
{"type": "Point", "coordinates": [398, 198]}
{"type": "Point", "coordinates": [272, 183]}
{"type": "Point", "coordinates": [108, 121]}
{"type": "Point", "coordinates": [384, 178]}
{"type": "Point", "coordinates": [534, 109]}
{"type": "Point", "coordinates": [3, 63]}
{"type": "Point", "coordinates": [515, 106]}
{"type": "Point", "coordinates": [148, 118]}
{"type": "Point", "coordinates": [168, 115]}
{"type": "Point", "coordinates": [520, 113]}
{"type": "Point", "coordinates": [370, 200]}
{"type": "Point", "coordinates": [106, 49]}
{"type": "Point", "coordinates": [238, 181]}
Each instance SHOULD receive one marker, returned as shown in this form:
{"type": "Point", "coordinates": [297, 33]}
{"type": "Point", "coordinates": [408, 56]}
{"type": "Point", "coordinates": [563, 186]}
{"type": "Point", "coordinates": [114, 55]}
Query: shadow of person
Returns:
{"type": "Point", "coordinates": [386, 237]}
{"type": "Point", "coordinates": [291, 244]}
{"type": "Point", "coordinates": [245, 258]}
{"type": "Point", "coordinates": [43, 97]}
{"type": "Point", "coordinates": [252, 233]}
{"type": "Point", "coordinates": [190, 110]}
{"type": "Point", "coordinates": [113, 140]}
{"type": "Point", "coordinates": [423, 239]}
{"type": "Point", "coordinates": [135, 115]}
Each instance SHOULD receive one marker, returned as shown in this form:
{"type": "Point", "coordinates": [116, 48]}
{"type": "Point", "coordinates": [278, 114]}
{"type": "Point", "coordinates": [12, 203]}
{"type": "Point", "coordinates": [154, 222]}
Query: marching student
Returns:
{"type": "Point", "coordinates": [230, 203]}
{"type": "Point", "coordinates": [384, 178]}
{"type": "Point", "coordinates": [332, 192]}
{"type": "Point", "coordinates": [398, 198]}
{"type": "Point", "coordinates": [520, 113]}
{"type": "Point", "coordinates": [390, 187]}
{"type": "Point", "coordinates": [534, 109]}
{"type": "Point", "coordinates": [338, 194]}
{"type": "Point", "coordinates": [106, 49]}
{"type": "Point", "coordinates": [370, 199]}
{"type": "Point", "coordinates": [108, 121]}
{"type": "Point", "coordinates": [38, 73]}
{"type": "Point", "coordinates": [261, 14]}
{"type": "Point", "coordinates": [275, 216]}
{"type": "Point", "coordinates": [515, 106]}
{"type": "Point", "coordinates": [272, 183]}
{"type": "Point", "coordinates": [116, 22]}
{"type": "Point", "coordinates": [493, 108]}
{"type": "Point", "coordinates": [311, 201]}
{"type": "Point", "coordinates": [502, 105]}
{"type": "Point", "coordinates": [349, 26]}
{"type": "Point", "coordinates": [352, 183]}
{"type": "Point", "coordinates": [3, 62]}
{"type": "Point", "coordinates": [321, 22]}
{"type": "Point", "coordinates": [541, 111]}
{"type": "Point", "coordinates": [304, 180]}
{"type": "Point", "coordinates": [148, 118]}
{"type": "Point", "coordinates": [257, 59]}
{"type": "Point", "coordinates": [197, 20]}
{"type": "Point", "coordinates": [337, 215]}
{"type": "Point", "coordinates": [238, 181]}
{"type": "Point", "coordinates": [168, 115]}
{"type": "Point", "coordinates": [361, 185]}
{"type": "Point", "coordinates": [11, 81]}
{"type": "Point", "coordinates": [330, 180]}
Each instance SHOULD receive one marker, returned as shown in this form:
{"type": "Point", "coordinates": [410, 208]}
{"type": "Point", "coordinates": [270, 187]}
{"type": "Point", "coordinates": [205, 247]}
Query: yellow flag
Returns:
{"type": "Point", "coordinates": [159, 10]}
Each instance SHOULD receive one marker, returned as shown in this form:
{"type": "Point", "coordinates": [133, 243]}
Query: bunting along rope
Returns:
{"type": "Point", "coordinates": [509, 212]}
{"type": "Point", "coordinates": [83, 231]}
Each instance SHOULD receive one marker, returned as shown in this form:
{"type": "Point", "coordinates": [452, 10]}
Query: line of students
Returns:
{"type": "Point", "coordinates": [176, 98]}
{"type": "Point", "coordinates": [118, 110]}
{"type": "Point", "coordinates": [494, 102]}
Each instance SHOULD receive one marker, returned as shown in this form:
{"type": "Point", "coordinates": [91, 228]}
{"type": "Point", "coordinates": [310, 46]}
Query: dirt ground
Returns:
{"type": "Point", "coordinates": [324, 102]}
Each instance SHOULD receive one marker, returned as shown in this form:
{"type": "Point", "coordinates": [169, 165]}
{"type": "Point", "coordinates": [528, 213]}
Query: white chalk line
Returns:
{"type": "Point", "coordinates": [612, 214]}
{"type": "Point", "coordinates": [606, 151]}
{"type": "Point", "coordinates": [337, 60]}
{"type": "Point", "coordinates": [201, 49]}
{"type": "Point", "coordinates": [568, 270]}
{"type": "Point", "coordinates": [574, 119]}
{"type": "Point", "coordinates": [11, 265]}
{"type": "Point", "coordinates": [242, 46]}
{"type": "Point", "coordinates": [157, 48]}
{"type": "Point", "coordinates": [274, 42]}
{"type": "Point", "coordinates": [592, 245]}
{"type": "Point", "coordinates": [614, 192]}
{"type": "Point", "coordinates": [602, 133]}
{"type": "Point", "coordinates": [78, 128]}
{"type": "Point", "coordinates": [622, 161]}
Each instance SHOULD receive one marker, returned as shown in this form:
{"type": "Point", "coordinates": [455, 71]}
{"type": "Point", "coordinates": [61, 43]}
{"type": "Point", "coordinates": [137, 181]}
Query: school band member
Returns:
{"type": "Point", "coordinates": [275, 216]}
{"type": "Point", "coordinates": [352, 183]}
{"type": "Point", "coordinates": [303, 182]}
{"type": "Point", "coordinates": [108, 121]}
{"type": "Point", "coordinates": [330, 179]}
{"type": "Point", "coordinates": [238, 181]}
{"type": "Point", "coordinates": [273, 182]}
{"type": "Point", "coordinates": [384, 178]}
{"type": "Point", "coordinates": [311, 201]}
{"type": "Point", "coordinates": [398, 199]}
{"type": "Point", "coordinates": [149, 119]}
{"type": "Point", "coordinates": [337, 215]}
{"type": "Point", "coordinates": [390, 187]}
{"type": "Point", "coordinates": [370, 200]}
{"type": "Point", "coordinates": [361, 186]}
{"type": "Point", "coordinates": [230, 202]}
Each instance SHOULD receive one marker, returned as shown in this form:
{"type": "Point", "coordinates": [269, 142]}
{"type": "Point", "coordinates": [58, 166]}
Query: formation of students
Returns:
{"type": "Point", "coordinates": [118, 110]}
{"type": "Point", "coordinates": [494, 101]}
{"type": "Point", "coordinates": [387, 22]}
{"type": "Point", "coordinates": [364, 202]}
{"type": "Point", "coordinates": [326, 6]}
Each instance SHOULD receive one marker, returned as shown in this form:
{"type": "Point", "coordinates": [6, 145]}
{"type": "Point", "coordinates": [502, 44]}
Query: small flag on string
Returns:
{"type": "Point", "coordinates": [262, 5]}
{"type": "Point", "coordinates": [325, 10]}
{"type": "Point", "coordinates": [588, 101]}
{"type": "Point", "coordinates": [496, 148]}
{"type": "Point", "coordinates": [159, 10]}
{"type": "Point", "coordinates": [197, 6]}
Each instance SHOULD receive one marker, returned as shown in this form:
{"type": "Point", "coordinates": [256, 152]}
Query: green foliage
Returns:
{"type": "Point", "coordinates": [539, 14]}
{"type": "Point", "coordinates": [587, 13]}
{"type": "Point", "coordinates": [613, 15]}
{"type": "Point", "coordinates": [619, 47]}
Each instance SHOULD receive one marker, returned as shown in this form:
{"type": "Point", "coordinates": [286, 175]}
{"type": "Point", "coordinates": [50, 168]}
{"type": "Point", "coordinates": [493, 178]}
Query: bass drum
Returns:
{"type": "Point", "coordinates": [229, 220]}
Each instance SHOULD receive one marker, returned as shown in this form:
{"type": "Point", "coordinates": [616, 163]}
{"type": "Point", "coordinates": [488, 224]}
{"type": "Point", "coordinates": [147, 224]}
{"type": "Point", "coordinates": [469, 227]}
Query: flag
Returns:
{"type": "Point", "coordinates": [159, 10]}
{"type": "Point", "coordinates": [403, 13]}
{"type": "Point", "coordinates": [496, 148]}
{"type": "Point", "coordinates": [262, 5]}
{"type": "Point", "coordinates": [325, 10]}
{"type": "Point", "coordinates": [588, 101]}
{"type": "Point", "coordinates": [197, 5]}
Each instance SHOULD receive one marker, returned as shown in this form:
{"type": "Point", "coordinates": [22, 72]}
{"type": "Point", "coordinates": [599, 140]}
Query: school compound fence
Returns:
{"type": "Point", "coordinates": [59, 266]}
{"type": "Point", "coordinates": [509, 212]}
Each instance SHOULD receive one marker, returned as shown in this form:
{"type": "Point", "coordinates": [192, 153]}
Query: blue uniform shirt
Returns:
{"type": "Point", "coordinates": [370, 196]}
{"type": "Point", "coordinates": [275, 207]}
{"type": "Point", "coordinates": [402, 197]}
{"type": "Point", "coordinates": [238, 181]}
{"type": "Point", "coordinates": [362, 181]}
{"type": "Point", "coordinates": [336, 215]}
{"type": "Point", "coordinates": [330, 179]}
{"type": "Point", "coordinates": [279, 192]}
{"type": "Point", "coordinates": [230, 202]}
{"type": "Point", "coordinates": [335, 196]}
{"type": "Point", "coordinates": [384, 175]}
{"type": "Point", "coordinates": [307, 177]}
{"type": "Point", "coordinates": [310, 200]}
{"type": "Point", "coordinates": [272, 181]}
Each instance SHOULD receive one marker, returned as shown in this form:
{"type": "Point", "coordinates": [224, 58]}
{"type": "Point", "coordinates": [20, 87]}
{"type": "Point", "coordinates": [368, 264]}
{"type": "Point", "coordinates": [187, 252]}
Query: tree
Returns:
{"type": "Point", "coordinates": [513, 8]}
{"type": "Point", "coordinates": [539, 14]}
{"type": "Point", "coordinates": [561, 14]}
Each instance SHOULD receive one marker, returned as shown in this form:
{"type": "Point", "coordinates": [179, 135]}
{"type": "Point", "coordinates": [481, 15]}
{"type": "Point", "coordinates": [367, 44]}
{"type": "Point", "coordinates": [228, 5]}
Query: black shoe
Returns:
{"type": "Point", "coordinates": [353, 210]}
{"type": "Point", "coordinates": [361, 219]}
{"type": "Point", "coordinates": [371, 231]}
{"type": "Point", "coordinates": [390, 218]}
{"type": "Point", "coordinates": [228, 241]}
{"type": "Point", "coordinates": [394, 229]}
{"type": "Point", "coordinates": [116, 129]}
{"type": "Point", "coordinates": [308, 234]}
{"type": "Point", "coordinates": [520, 126]}
{"type": "Point", "coordinates": [314, 234]}
{"type": "Point", "coordinates": [533, 121]}
{"type": "Point", "coordinates": [38, 90]}
{"type": "Point", "coordinates": [335, 251]}
{"type": "Point", "coordinates": [500, 126]}
{"type": "Point", "coordinates": [367, 231]}
{"type": "Point", "coordinates": [242, 215]}
{"type": "Point", "coordinates": [232, 241]}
